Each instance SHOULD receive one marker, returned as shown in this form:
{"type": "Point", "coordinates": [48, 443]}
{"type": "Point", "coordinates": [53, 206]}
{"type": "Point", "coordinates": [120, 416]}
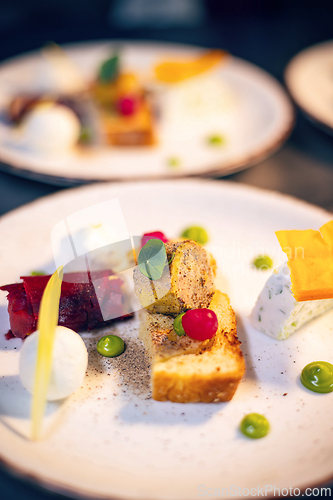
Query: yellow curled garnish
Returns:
{"type": "Point", "coordinates": [47, 322]}
{"type": "Point", "coordinates": [310, 259]}
{"type": "Point", "coordinates": [176, 71]}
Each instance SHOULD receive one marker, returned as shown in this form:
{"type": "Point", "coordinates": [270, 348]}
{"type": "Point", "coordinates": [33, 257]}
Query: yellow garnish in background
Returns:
{"type": "Point", "coordinates": [176, 71]}
{"type": "Point", "coordinates": [310, 259]}
{"type": "Point", "coordinates": [47, 322]}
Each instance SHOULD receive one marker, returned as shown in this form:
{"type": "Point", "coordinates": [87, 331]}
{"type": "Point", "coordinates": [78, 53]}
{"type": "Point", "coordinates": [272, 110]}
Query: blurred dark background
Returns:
{"type": "Point", "coordinates": [267, 33]}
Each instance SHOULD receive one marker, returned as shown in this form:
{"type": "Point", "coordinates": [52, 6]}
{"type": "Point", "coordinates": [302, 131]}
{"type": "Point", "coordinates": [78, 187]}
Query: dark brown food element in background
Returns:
{"type": "Point", "coordinates": [79, 307]}
{"type": "Point", "coordinates": [22, 104]}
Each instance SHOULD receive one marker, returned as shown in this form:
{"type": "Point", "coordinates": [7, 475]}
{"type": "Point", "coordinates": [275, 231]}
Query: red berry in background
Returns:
{"type": "Point", "coordinates": [127, 105]}
{"type": "Point", "coordinates": [200, 324]}
{"type": "Point", "coordinates": [155, 235]}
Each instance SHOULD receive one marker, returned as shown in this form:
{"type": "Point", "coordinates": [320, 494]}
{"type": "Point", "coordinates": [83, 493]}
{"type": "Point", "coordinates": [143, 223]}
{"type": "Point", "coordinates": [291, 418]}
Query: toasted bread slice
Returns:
{"type": "Point", "coordinates": [133, 130]}
{"type": "Point", "coordinates": [187, 283]}
{"type": "Point", "coordinates": [187, 371]}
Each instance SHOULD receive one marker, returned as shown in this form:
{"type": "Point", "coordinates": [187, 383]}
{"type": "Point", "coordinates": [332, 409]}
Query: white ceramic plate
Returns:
{"type": "Point", "coordinates": [110, 439]}
{"type": "Point", "coordinates": [255, 125]}
{"type": "Point", "coordinates": [309, 78]}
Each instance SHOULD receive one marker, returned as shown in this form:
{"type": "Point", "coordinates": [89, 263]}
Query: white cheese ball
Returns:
{"type": "Point", "coordinates": [69, 363]}
{"type": "Point", "coordinates": [51, 128]}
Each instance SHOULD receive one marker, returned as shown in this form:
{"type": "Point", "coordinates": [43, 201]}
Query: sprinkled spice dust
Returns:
{"type": "Point", "coordinates": [130, 370]}
{"type": "Point", "coordinates": [116, 395]}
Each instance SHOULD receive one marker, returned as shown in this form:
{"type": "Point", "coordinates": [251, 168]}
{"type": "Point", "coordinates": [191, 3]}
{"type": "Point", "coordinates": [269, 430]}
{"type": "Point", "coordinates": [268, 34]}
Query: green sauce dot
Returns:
{"type": "Point", "coordinates": [85, 135]}
{"type": "Point", "coordinates": [263, 262]}
{"type": "Point", "coordinates": [254, 426]}
{"type": "Point", "coordinates": [178, 325]}
{"type": "Point", "coordinates": [318, 376]}
{"type": "Point", "coordinates": [196, 233]}
{"type": "Point", "coordinates": [216, 140]}
{"type": "Point", "coordinates": [110, 346]}
{"type": "Point", "coordinates": [173, 162]}
{"type": "Point", "coordinates": [37, 273]}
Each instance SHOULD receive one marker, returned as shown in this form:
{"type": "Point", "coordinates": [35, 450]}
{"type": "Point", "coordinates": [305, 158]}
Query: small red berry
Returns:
{"type": "Point", "coordinates": [155, 235]}
{"type": "Point", "coordinates": [200, 324]}
{"type": "Point", "coordinates": [127, 105]}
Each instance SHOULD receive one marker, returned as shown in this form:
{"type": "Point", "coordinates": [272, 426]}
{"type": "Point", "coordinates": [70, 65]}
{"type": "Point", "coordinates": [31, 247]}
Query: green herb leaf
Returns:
{"type": "Point", "coordinates": [109, 69]}
{"type": "Point", "coordinates": [152, 259]}
{"type": "Point", "coordinates": [171, 258]}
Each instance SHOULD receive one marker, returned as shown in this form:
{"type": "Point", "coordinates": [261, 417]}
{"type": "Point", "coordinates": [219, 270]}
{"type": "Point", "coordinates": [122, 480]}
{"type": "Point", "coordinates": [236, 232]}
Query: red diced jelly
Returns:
{"type": "Point", "coordinates": [155, 235]}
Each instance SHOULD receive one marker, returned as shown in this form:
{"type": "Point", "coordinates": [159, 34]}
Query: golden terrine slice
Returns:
{"type": "Point", "coordinates": [187, 283]}
{"type": "Point", "coordinates": [187, 371]}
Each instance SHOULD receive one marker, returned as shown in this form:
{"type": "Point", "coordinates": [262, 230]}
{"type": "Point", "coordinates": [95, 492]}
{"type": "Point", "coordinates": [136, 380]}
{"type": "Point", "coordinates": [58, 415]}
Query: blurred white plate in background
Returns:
{"type": "Point", "coordinates": [255, 125]}
{"type": "Point", "coordinates": [309, 78]}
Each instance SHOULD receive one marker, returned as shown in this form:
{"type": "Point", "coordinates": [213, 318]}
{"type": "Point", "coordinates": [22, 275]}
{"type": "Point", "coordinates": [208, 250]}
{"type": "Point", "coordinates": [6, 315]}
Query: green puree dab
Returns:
{"type": "Point", "coordinates": [196, 233]}
{"type": "Point", "coordinates": [110, 346]}
{"type": "Point", "coordinates": [318, 376]}
{"type": "Point", "coordinates": [216, 140]}
{"type": "Point", "coordinates": [254, 426]}
{"type": "Point", "coordinates": [263, 262]}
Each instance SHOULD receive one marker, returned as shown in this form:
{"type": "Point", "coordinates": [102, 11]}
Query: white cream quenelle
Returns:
{"type": "Point", "coordinates": [69, 363]}
{"type": "Point", "coordinates": [50, 128]}
{"type": "Point", "coordinates": [276, 311]}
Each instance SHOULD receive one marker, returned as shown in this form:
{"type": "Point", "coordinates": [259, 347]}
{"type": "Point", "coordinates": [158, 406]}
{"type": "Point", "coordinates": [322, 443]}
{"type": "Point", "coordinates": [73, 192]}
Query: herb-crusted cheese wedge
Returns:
{"type": "Point", "coordinates": [277, 313]}
{"type": "Point", "coordinates": [187, 283]}
{"type": "Point", "coordinates": [187, 371]}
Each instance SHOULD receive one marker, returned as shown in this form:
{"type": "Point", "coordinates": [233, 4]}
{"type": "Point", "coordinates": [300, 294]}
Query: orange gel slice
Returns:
{"type": "Point", "coordinates": [176, 71]}
{"type": "Point", "coordinates": [310, 259]}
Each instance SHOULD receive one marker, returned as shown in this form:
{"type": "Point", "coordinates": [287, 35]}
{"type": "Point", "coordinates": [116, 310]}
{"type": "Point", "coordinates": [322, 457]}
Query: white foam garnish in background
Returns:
{"type": "Point", "coordinates": [60, 74]}
{"type": "Point", "coordinates": [198, 107]}
{"type": "Point", "coordinates": [49, 128]}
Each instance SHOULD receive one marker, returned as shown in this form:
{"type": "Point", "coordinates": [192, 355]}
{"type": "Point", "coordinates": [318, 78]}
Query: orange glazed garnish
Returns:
{"type": "Point", "coordinates": [310, 259]}
{"type": "Point", "coordinates": [176, 71]}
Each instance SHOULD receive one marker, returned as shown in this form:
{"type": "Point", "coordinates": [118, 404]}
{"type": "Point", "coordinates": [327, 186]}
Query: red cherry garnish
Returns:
{"type": "Point", "coordinates": [155, 235]}
{"type": "Point", "coordinates": [200, 324]}
{"type": "Point", "coordinates": [127, 105]}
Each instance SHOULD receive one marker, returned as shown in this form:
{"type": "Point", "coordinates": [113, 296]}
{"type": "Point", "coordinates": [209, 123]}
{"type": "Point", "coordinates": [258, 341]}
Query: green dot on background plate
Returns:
{"type": "Point", "coordinates": [216, 140]}
{"type": "Point", "coordinates": [173, 162]}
